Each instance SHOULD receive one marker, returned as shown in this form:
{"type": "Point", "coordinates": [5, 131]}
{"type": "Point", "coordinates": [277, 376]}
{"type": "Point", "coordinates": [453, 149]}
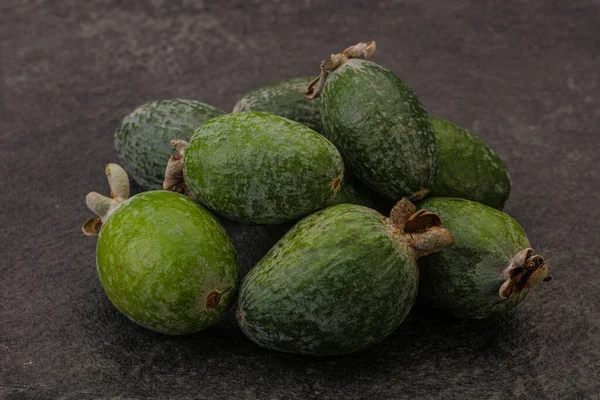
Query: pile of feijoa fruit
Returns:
{"type": "Point", "coordinates": [372, 205]}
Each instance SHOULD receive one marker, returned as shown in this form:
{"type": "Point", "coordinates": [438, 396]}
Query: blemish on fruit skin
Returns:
{"type": "Point", "coordinates": [336, 182]}
{"type": "Point", "coordinates": [239, 314]}
{"type": "Point", "coordinates": [418, 195]}
{"type": "Point", "coordinates": [213, 299]}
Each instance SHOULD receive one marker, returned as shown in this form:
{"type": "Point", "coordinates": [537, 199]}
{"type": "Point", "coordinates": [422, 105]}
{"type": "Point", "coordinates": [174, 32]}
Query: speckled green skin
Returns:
{"type": "Point", "coordinates": [465, 279]}
{"type": "Point", "coordinates": [143, 138]}
{"type": "Point", "coordinates": [381, 128]}
{"type": "Point", "coordinates": [159, 257]}
{"type": "Point", "coordinates": [337, 282]}
{"type": "Point", "coordinates": [285, 98]}
{"type": "Point", "coordinates": [261, 168]}
{"type": "Point", "coordinates": [469, 168]}
{"type": "Point", "coordinates": [351, 192]}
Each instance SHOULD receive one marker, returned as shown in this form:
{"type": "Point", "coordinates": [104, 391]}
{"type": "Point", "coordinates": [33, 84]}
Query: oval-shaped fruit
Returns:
{"type": "Point", "coordinates": [469, 168]}
{"type": "Point", "coordinates": [351, 192]}
{"type": "Point", "coordinates": [143, 138]}
{"type": "Point", "coordinates": [339, 281]}
{"type": "Point", "coordinates": [261, 168]}
{"type": "Point", "coordinates": [284, 98]}
{"type": "Point", "coordinates": [163, 260]}
{"type": "Point", "coordinates": [380, 127]}
{"type": "Point", "coordinates": [490, 269]}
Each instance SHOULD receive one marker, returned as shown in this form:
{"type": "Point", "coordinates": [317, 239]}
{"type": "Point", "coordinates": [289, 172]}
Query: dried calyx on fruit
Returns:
{"type": "Point", "coordinates": [104, 206]}
{"type": "Point", "coordinates": [490, 269]}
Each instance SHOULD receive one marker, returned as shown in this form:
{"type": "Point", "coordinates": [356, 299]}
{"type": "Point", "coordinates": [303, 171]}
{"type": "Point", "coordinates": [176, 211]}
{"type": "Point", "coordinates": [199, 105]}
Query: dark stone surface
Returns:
{"type": "Point", "coordinates": [523, 75]}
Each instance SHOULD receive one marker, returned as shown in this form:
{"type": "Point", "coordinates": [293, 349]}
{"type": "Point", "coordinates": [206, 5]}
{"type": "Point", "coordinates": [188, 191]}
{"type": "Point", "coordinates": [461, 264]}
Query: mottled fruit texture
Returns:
{"type": "Point", "coordinates": [490, 269]}
{"type": "Point", "coordinates": [285, 98]}
{"type": "Point", "coordinates": [469, 168]}
{"type": "Point", "coordinates": [143, 138]}
{"type": "Point", "coordinates": [339, 281]}
{"type": "Point", "coordinates": [260, 168]}
{"type": "Point", "coordinates": [381, 129]}
{"type": "Point", "coordinates": [351, 192]}
{"type": "Point", "coordinates": [167, 263]}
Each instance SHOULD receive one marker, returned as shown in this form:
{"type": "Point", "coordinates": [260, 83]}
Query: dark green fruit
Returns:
{"type": "Point", "coordinates": [163, 260]}
{"type": "Point", "coordinates": [351, 192]}
{"type": "Point", "coordinates": [259, 168]}
{"type": "Point", "coordinates": [379, 125]}
{"type": "Point", "coordinates": [469, 168]}
{"type": "Point", "coordinates": [339, 281]}
{"type": "Point", "coordinates": [285, 98]}
{"type": "Point", "coordinates": [489, 270]}
{"type": "Point", "coordinates": [143, 138]}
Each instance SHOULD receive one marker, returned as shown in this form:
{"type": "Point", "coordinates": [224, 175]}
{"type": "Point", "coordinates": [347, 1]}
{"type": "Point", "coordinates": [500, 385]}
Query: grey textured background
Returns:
{"type": "Point", "coordinates": [525, 77]}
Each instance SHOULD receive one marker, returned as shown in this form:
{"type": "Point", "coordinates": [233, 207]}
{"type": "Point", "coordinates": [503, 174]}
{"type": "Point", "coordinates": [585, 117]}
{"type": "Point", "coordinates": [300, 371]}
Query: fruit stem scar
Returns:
{"type": "Point", "coordinates": [525, 271]}
{"type": "Point", "coordinates": [213, 299]}
{"type": "Point", "coordinates": [423, 230]}
{"type": "Point", "coordinates": [360, 50]}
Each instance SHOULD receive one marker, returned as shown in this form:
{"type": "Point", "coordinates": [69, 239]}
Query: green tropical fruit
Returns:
{"type": "Point", "coordinates": [351, 192]}
{"type": "Point", "coordinates": [339, 281]}
{"type": "Point", "coordinates": [143, 138]}
{"type": "Point", "coordinates": [284, 98]}
{"type": "Point", "coordinates": [258, 168]}
{"type": "Point", "coordinates": [163, 260]}
{"type": "Point", "coordinates": [490, 269]}
{"type": "Point", "coordinates": [379, 125]}
{"type": "Point", "coordinates": [469, 168]}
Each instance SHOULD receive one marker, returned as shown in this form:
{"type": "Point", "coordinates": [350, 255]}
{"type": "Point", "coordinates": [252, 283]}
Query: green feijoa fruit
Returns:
{"type": "Point", "coordinates": [163, 260]}
{"type": "Point", "coordinates": [490, 269]}
{"type": "Point", "coordinates": [143, 138]}
{"type": "Point", "coordinates": [339, 281]}
{"type": "Point", "coordinates": [258, 168]}
{"type": "Point", "coordinates": [284, 98]}
{"type": "Point", "coordinates": [379, 125]}
{"type": "Point", "coordinates": [469, 168]}
{"type": "Point", "coordinates": [351, 192]}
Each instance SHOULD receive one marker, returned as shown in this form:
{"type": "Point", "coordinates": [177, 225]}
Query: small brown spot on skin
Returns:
{"type": "Point", "coordinates": [336, 183]}
{"type": "Point", "coordinates": [418, 195]}
{"type": "Point", "coordinates": [239, 314]}
{"type": "Point", "coordinates": [213, 299]}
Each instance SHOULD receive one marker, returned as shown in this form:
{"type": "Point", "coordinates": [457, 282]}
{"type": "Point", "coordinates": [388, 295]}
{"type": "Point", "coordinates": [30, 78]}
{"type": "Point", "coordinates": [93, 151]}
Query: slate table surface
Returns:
{"type": "Point", "coordinates": [525, 76]}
